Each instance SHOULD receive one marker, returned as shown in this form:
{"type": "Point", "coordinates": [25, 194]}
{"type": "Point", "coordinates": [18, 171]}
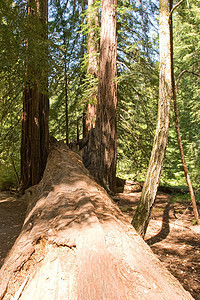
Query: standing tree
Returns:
{"type": "Point", "coordinates": [142, 214]}
{"type": "Point", "coordinates": [35, 137]}
{"type": "Point", "coordinates": [93, 64]}
{"type": "Point", "coordinates": [174, 93]}
{"type": "Point", "coordinates": [75, 242]}
{"type": "Point", "coordinates": [66, 40]}
{"type": "Point", "coordinates": [102, 146]}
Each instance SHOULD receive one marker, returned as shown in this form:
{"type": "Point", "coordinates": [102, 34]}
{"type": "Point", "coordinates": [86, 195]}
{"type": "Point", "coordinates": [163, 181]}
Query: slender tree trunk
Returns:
{"type": "Point", "coordinates": [142, 214]}
{"type": "Point", "coordinates": [93, 64]}
{"type": "Point", "coordinates": [103, 144]}
{"type": "Point", "coordinates": [14, 168]}
{"type": "Point", "coordinates": [35, 137]}
{"type": "Point", "coordinates": [66, 109]}
{"type": "Point", "coordinates": [66, 96]}
{"type": "Point", "coordinates": [174, 93]}
{"type": "Point", "coordinates": [77, 130]}
{"type": "Point", "coordinates": [187, 176]}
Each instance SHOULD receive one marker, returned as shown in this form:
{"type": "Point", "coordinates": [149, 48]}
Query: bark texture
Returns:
{"type": "Point", "coordinates": [76, 244]}
{"type": "Point", "coordinates": [93, 62]}
{"type": "Point", "coordinates": [102, 141]}
{"type": "Point", "coordinates": [35, 137]}
{"type": "Point", "coordinates": [142, 215]}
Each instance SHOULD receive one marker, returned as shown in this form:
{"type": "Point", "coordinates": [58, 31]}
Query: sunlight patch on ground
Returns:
{"type": "Point", "coordinates": [9, 199]}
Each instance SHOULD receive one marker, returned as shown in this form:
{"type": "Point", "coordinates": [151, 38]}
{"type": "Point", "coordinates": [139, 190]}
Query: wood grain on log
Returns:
{"type": "Point", "coordinates": [76, 244]}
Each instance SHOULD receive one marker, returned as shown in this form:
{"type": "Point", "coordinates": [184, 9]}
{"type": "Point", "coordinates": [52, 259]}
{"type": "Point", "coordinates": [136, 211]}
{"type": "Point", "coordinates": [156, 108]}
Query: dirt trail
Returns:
{"type": "Point", "coordinates": [170, 234]}
{"type": "Point", "coordinates": [12, 214]}
{"type": "Point", "coordinates": [172, 237]}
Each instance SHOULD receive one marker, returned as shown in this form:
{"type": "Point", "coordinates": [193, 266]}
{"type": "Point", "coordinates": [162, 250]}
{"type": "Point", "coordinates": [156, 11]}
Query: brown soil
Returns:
{"type": "Point", "coordinates": [12, 214]}
{"type": "Point", "coordinates": [172, 237]}
{"type": "Point", "coordinates": [170, 234]}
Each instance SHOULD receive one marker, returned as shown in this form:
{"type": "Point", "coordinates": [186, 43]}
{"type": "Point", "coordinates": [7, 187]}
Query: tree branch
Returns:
{"type": "Point", "coordinates": [180, 75]}
{"type": "Point", "coordinates": [175, 7]}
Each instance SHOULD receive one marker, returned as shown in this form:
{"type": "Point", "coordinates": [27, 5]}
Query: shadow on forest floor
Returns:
{"type": "Point", "coordinates": [170, 234]}
{"type": "Point", "coordinates": [163, 233]}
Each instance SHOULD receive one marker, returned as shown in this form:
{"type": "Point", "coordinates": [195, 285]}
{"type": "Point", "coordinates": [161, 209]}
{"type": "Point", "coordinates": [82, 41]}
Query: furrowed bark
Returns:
{"type": "Point", "coordinates": [35, 132]}
{"type": "Point", "coordinates": [93, 64]}
{"type": "Point", "coordinates": [101, 152]}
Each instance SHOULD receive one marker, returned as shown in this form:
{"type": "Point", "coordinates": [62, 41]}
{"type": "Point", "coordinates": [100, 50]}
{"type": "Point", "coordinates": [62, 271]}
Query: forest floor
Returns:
{"type": "Point", "coordinates": [171, 235]}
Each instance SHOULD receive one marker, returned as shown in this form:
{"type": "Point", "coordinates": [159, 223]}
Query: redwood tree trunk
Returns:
{"type": "Point", "coordinates": [35, 137]}
{"type": "Point", "coordinates": [93, 63]}
{"type": "Point", "coordinates": [103, 145]}
{"type": "Point", "coordinates": [142, 214]}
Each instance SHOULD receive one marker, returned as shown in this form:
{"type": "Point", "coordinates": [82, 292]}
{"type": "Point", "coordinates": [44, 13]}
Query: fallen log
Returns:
{"type": "Point", "coordinates": [76, 244]}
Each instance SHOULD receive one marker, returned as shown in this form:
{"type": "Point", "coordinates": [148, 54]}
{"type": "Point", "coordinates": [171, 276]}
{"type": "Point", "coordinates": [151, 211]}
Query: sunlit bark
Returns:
{"type": "Point", "coordinates": [93, 63]}
{"type": "Point", "coordinates": [106, 124]}
{"type": "Point", "coordinates": [142, 214]}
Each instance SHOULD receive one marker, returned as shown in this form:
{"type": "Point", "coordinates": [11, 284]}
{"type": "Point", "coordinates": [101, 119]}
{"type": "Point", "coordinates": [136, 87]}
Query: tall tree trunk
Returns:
{"type": "Point", "coordinates": [174, 93]}
{"type": "Point", "coordinates": [103, 165]}
{"type": "Point", "coordinates": [93, 64]}
{"type": "Point", "coordinates": [66, 108]}
{"type": "Point", "coordinates": [66, 94]}
{"type": "Point", "coordinates": [142, 214]}
{"type": "Point", "coordinates": [35, 137]}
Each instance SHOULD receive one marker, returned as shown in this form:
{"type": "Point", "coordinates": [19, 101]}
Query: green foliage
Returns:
{"type": "Point", "coordinates": [186, 57]}
{"type": "Point", "coordinates": [12, 20]}
{"type": "Point", "coordinates": [88, 21]}
{"type": "Point", "coordinates": [137, 90]}
{"type": "Point", "coordinates": [8, 176]}
{"type": "Point", "coordinates": [89, 90]}
{"type": "Point", "coordinates": [184, 198]}
{"type": "Point", "coordinates": [67, 78]}
{"type": "Point", "coordinates": [57, 110]}
{"type": "Point", "coordinates": [66, 68]}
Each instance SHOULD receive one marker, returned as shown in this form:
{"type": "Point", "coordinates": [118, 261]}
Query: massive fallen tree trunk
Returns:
{"type": "Point", "coordinates": [76, 244]}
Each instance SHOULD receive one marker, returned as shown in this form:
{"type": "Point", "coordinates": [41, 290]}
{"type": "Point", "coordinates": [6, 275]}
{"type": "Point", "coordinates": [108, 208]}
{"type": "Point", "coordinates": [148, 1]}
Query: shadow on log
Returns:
{"type": "Point", "coordinates": [76, 244]}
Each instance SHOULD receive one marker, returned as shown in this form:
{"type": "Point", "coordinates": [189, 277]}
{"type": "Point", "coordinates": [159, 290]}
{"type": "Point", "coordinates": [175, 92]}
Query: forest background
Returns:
{"type": "Point", "coordinates": [69, 83]}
